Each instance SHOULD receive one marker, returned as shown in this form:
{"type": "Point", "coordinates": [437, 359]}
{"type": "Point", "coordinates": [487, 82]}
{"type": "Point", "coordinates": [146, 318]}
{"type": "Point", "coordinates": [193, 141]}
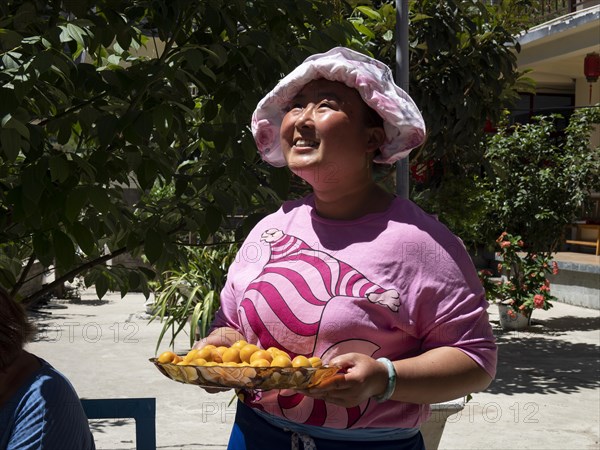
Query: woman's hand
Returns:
{"type": "Point", "coordinates": [220, 336]}
{"type": "Point", "coordinates": [364, 377]}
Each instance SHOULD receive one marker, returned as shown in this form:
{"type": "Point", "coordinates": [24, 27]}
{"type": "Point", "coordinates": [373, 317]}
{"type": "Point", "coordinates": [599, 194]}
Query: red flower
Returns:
{"type": "Point", "coordinates": [504, 244]}
{"type": "Point", "coordinates": [520, 243]}
{"type": "Point", "coordinates": [499, 267]}
{"type": "Point", "coordinates": [511, 314]}
{"type": "Point", "coordinates": [538, 300]}
{"type": "Point", "coordinates": [554, 267]}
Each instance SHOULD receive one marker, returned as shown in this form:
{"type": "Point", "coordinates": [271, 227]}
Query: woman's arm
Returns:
{"type": "Point", "coordinates": [439, 375]}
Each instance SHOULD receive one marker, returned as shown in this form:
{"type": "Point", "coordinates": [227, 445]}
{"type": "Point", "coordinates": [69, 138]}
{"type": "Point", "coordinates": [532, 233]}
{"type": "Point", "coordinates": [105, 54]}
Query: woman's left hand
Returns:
{"type": "Point", "coordinates": [364, 377]}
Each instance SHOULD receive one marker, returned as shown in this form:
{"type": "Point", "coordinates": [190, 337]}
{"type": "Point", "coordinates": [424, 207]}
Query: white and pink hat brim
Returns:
{"type": "Point", "coordinates": [403, 123]}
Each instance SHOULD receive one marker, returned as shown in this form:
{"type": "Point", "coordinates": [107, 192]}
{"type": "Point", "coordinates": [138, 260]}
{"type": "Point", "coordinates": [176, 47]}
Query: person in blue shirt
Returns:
{"type": "Point", "coordinates": [39, 408]}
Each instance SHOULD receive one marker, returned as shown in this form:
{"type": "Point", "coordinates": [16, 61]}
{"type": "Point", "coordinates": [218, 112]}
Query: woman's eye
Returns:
{"type": "Point", "coordinates": [292, 107]}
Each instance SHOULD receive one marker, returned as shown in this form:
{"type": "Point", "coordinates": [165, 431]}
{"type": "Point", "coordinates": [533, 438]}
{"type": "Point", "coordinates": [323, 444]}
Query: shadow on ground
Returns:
{"type": "Point", "coordinates": [537, 361]}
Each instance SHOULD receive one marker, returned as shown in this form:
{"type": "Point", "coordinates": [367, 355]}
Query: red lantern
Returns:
{"type": "Point", "coordinates": [591, 67]}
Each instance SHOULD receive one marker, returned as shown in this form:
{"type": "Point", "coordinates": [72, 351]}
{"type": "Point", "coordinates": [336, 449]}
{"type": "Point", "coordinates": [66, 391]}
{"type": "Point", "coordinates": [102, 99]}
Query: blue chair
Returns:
{"type": "Point", "coordinates": [143, 410]}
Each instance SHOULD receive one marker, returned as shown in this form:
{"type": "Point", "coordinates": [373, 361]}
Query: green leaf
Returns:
{"type": "Point", "coordinates": [64, 250]}
{"type": "Point", "coordinates": [208, 72]}
{"type": "Point", "coordinates": [153, 245]}
{"type": "Point", "coordinates": [134, 280]}
{"type": "Point", "coordinates": [33, 182]}
{"type": "Point", "coordinates": [59, 168]}
{"type": "Point", "coordinates": [101, 286]}
{"type": "Point", "coordinates": [106, 126]}
{"type": "Point", "coordinates": [363, 30]}
{"type": "Point", "coordinates": [84, 238]}
{"type": "Point", "coordinates": [224, 200]}
{"type": "Point", "coordinates": [369, 12]}
{"type": "Point", "coordinates": [213, 219]}
{"type": "Point", "coordinates": [99, 199]}
{"type": "Point", "coordinates": [210, 110]}
{"type": "Point", "coordinates": [10, 140]}
{"type": "Point", "coordinates": [8, 101]}
{"type": "Point", "coordinates": [163, 118]}
{"type": "Point", "coordinates": [8, 121]}
{"type": "Point", "coordinates": [76, 200]}
{"type": "Point", "coordinates": [7, 277]}
{"type": "Point", "coordinates": [9, 39]}
{"type": "Point", "coordinates": [64, 132]}
{"type": "Point", "coordinates": [76, 33]}
{"type": "Point", "coordinates": [42, 248]}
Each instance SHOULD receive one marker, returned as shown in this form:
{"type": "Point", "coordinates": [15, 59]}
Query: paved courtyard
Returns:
{"type": "Point", "coordinates": [546, 394]}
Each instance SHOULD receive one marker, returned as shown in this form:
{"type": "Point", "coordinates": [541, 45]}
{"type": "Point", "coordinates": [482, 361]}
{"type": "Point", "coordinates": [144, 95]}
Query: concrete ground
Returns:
{"type": "Point", "coordinates": [546, 394]}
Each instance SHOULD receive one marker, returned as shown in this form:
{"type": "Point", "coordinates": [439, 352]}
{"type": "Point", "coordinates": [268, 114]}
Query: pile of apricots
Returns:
{"type": "Point", "coordinates": [240, 354]}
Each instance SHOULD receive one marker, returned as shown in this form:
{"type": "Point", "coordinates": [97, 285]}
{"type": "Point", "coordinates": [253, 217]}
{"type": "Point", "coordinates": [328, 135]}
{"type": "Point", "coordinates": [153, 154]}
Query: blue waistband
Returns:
{"type": "Point", "coordinates": [350, 434]}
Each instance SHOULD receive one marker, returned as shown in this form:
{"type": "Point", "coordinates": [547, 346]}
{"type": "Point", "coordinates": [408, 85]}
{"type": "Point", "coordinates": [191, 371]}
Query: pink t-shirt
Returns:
{"type": "Point", "coordinates": [393, 284]}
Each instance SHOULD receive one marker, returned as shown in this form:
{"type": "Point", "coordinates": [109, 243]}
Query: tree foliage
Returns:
{"type": "Point", "coordinates": [463, 72]}
{"type": "Point", "coordinates": [141, 100]}
{"type": "Point", "coordinates": [125, 123]}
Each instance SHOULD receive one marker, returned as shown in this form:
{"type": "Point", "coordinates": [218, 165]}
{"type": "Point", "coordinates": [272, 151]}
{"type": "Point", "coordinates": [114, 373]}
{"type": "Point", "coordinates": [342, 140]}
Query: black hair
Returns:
{"type": "Point", "coordinates": [15, 329]}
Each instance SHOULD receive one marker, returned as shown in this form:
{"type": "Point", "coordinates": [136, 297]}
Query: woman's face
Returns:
{"type": "Point", "coordinates": [324, 134]}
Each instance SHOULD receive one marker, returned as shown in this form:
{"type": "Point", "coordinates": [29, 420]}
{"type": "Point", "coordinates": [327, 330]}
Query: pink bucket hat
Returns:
{"type": "Point", "coordinates": [403, 123]}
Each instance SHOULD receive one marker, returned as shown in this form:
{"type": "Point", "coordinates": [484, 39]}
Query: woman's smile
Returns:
{"type": "Point", "coordinates": [304, 145]}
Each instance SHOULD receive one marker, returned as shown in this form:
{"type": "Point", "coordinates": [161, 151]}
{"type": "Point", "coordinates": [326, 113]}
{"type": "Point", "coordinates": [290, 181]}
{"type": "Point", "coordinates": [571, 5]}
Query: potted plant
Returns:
{"type": "Point", "coordinates": [189, 294]}
{"type": "Point", "coordinates": [522, 285]}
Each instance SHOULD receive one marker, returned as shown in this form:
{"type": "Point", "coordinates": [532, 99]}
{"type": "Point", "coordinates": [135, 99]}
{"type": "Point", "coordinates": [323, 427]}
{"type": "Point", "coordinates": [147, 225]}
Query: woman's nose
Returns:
{"type": "Point", "coordinates": [305, 118]}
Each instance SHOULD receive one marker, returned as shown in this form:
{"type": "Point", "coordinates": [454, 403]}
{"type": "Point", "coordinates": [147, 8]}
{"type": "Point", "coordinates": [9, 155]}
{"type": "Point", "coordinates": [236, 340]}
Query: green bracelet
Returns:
{"type": "Point", "coordinates": [391, 386]}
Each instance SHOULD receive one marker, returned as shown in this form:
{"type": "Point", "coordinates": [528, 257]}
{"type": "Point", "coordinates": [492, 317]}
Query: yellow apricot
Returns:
{"type": "Point", "coordinates": [232, 354]}
{"type": "Point", "coordinates": [166, 357]}
{"type": "Point", "coordinates": [205, 352]}
{"type": "Point", "coordinates": [260, 362]}
{"type": "Point", "coordinates": [315, 361]}
{"type": "Point", "coordinates": [247, 350]}
{"type": "Point", "coordinates": [239, 344]}
{"type": "Point", "coordinates": [301, 361]}
{"type": "Point", "coordinates": [215, 355]}
{"type": "Point", "coordinates": [261, 354]}
{"type": "Point", "coordinates": [191, 355]}
{"type": "Point", "coordinates": [281, 361]}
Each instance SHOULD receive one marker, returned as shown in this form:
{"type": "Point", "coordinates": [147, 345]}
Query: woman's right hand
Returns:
{"type": "Point", "coordinates": [220, 336]}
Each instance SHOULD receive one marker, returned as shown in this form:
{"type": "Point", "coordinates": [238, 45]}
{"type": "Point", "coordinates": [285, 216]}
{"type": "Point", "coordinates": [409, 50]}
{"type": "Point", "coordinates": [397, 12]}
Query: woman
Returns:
{"type": "Point", "coordinates": [39, 408]}
{"type": "Point", "coordinates": [352, 274]}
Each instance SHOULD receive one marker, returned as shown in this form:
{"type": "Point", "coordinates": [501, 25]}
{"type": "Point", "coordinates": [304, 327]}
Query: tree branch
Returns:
{"type": "Point", "coordinates": [71, 274]}
{"type": "Point", "coordinates": [68, 111]}
{"type": "Point", "coordinates": [23, 275]}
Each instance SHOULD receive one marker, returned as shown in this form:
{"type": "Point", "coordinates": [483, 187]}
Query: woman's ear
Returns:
{"type": "Point", "coordinates": [375, 138]}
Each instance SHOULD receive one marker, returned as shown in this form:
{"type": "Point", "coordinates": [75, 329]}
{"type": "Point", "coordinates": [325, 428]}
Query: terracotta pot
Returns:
{"type": "Point", "coordinates": [520, 322]}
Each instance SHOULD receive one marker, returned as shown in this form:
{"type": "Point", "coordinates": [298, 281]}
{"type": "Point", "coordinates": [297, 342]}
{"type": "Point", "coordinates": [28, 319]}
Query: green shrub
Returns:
{"type": "Point", "coordinates": [190, 293]}
{"type": "Point", "coordinates": [540, 178]}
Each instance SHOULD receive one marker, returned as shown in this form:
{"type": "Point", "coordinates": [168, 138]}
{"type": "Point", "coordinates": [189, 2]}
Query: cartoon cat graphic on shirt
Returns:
{"type": "Point", "coordinates": [296, 292]}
